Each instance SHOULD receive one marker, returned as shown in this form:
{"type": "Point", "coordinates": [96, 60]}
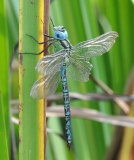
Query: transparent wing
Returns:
{"type": "Point", "coordinates": [45, 86]}
{"type": "Point", "coordinates": [94, 47]}
{"type": "Point", "coordinates": [50, 64]}
{"type": "Point", "coordinates": [78, 69]}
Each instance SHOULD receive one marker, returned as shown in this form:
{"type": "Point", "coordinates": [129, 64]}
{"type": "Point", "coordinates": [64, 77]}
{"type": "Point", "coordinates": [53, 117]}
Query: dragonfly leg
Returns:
{"type": "Point", "coordinates": [39, 52]}
{"type": "Point", "coordinates": [40, 42]}
{"type": "Point", "coordinates": [48, 36]}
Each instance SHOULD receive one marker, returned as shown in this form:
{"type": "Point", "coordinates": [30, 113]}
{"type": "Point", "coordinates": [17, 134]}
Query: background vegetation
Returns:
{"type": "Point", "coordinates": [83, 20]}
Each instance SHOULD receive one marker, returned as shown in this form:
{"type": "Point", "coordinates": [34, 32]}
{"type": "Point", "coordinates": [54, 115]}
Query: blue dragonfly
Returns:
{"type": "Point", "coordinates": [71, 61]}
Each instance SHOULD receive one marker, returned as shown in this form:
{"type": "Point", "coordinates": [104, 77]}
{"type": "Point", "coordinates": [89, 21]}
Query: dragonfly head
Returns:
{"type": "Point", "coordinates": [60, 33]}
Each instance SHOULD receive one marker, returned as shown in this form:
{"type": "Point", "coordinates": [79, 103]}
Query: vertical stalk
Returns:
{"type": "Point", "coordinates": [32, 112]}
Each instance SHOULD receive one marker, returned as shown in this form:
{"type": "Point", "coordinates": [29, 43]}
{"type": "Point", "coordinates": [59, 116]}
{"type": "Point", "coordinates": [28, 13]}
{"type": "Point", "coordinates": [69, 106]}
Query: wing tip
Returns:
{"type": "Point", "coordinates": [114, 33]}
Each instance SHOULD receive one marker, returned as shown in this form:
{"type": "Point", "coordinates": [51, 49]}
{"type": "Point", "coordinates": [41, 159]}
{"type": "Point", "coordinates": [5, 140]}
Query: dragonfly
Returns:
{"type": "Point", "coordinates": [70, 61]}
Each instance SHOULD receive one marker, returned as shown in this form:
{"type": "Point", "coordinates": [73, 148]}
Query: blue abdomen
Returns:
{"type": "Point", "coordinates": [66, 105]}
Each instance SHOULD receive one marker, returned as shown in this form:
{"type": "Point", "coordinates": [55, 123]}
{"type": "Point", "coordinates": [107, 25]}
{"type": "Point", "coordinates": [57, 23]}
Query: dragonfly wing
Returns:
{"type": "Point", "coordinates": [78, 69]}
{"type": "Point", "coordinates": [45, 86]}
{"type": "Point", "coordinates": [50, 64]}
{"type": "Point", "coordinates": [95, 47]}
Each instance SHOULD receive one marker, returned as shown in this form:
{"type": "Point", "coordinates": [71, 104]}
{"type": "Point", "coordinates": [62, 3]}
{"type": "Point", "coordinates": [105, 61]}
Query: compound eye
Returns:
{"type": "Point", "coordinates": [58, 35]}
{"type": "Point", "coordinates": [61, 34]}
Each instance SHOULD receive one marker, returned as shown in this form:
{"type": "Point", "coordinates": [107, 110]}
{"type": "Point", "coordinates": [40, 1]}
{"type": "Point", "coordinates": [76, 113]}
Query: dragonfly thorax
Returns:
{"type": "Point", "coordinates": [60, 33]}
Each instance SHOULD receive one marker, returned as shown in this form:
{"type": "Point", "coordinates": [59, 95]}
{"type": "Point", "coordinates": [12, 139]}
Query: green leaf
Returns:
{"type": "Point", "coordinates": [4, 151]}
{"type": "Point", "coordinates": [4, 87]}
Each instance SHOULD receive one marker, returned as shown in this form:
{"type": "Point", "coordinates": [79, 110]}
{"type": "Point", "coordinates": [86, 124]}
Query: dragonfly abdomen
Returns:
{"type": "Point", "coordinates": [66, 105]}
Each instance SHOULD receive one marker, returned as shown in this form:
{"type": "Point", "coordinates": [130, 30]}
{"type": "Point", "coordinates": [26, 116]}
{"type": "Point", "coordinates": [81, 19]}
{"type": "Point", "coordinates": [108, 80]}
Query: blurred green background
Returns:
{"type": "Point", "coordinates": [83, 19]}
